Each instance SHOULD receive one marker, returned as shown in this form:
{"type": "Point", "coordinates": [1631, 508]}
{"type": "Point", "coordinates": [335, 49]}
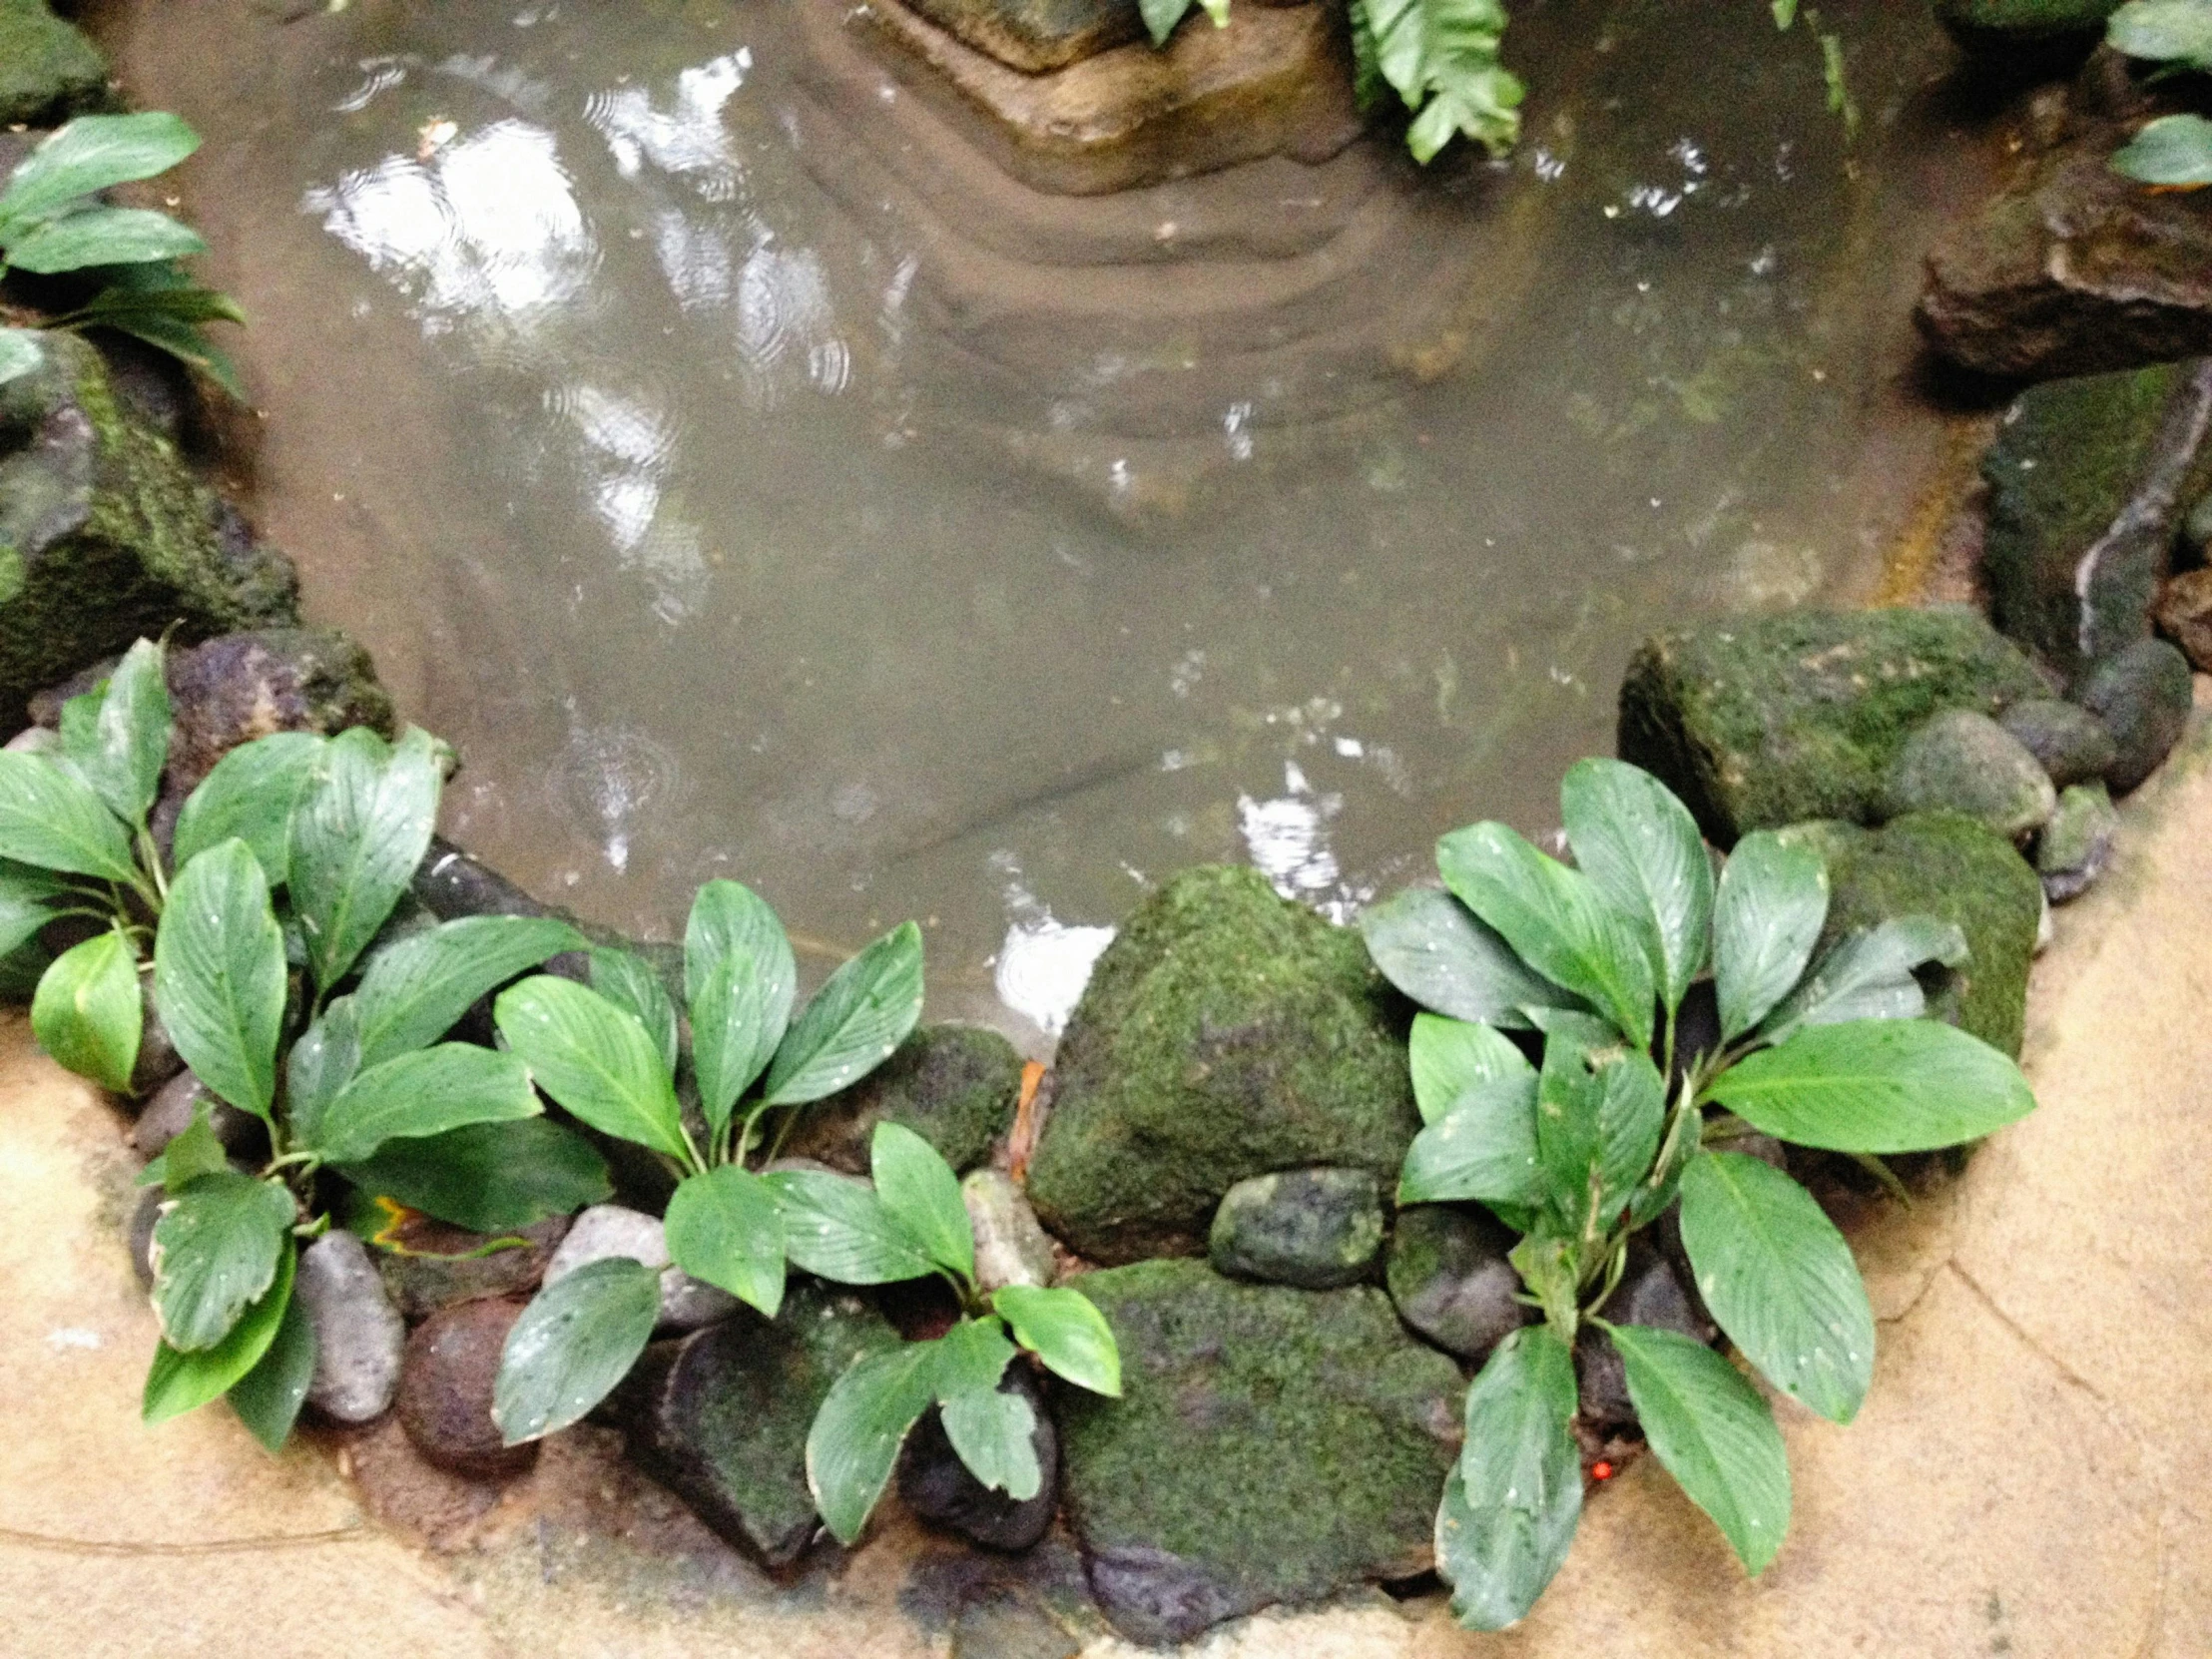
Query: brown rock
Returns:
{"type": "Point", "coordinates": [428, 1265]}
{"type": "Point", "coordinates": [2185, 616]}
{"type": "Point", "coordinates": [446, 1390]}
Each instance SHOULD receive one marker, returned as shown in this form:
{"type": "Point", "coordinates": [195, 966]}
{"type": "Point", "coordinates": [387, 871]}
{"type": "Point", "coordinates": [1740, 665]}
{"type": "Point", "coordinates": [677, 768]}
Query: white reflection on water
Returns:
{"type": "Point", "coordinates": [1044, 963]}
{"type": "Point", "coordinates": [786, 327]}
{"type": "Point", "coordinates": [630, 446]}
{"type": "Point", "coordinates": [1288, 840]}
{"type": "Point", "coordinates": [685, 139]}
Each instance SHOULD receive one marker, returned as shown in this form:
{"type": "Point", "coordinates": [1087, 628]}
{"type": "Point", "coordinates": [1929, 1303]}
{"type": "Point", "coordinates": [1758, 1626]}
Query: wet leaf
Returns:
{"type": "Point", "coordinates": [216, 1249]}
{"type": "Point", "coordinates": [416, 991]}
{"type": "Point", "coordinates": [576, 1340]}
{"type": "Point", "coordinates": [595, 1059]}
{"type": "Point", "coordinates": [426, 1092]}
{"type": "Point", "coordinates": [1514, 1496]}
{"type": "Point", "coordinates": [1642, 850]}
{"type": "Point", "coordinates": [1435, 950]}
{"type": "Point", "coordinates": [1879, 1086]}
{"type": "Point", "coordinates": [726, 1227]}
{"type": "Point", "coordinates": [268, 1398]}
{"type": "Point", "coordinates": [51, 820]}
{"type": "Point", "coordinates": [218, 975]}
{"type": "Point", "coordinates": [252, 795]}
{"type": "Point", "coordinates": [857, 1434]}
{"type": "Point", "coordinates": [89, 1014]}
{"type": "Point", "coordinates": [178, 1381]}
{"type": "Point", "coordinates": [1772, 903]}
{"type": "Point", "coordinates": [1064, 1328]}
{"type": "Point", "coordinates": [488, 1176]}
{"type": "Point", "coordinates": [89, 155]}
{"type": "Point", "coordinates": [357, 839]}
{"type": "Point", "coordinates": [836, 1226]}
{"type": "Point", "coordinates": [922, 1195]}
{"type": "Point", "coordinates": [854, 1021]}
{"type": "Point", "coordinates": [741, 979]}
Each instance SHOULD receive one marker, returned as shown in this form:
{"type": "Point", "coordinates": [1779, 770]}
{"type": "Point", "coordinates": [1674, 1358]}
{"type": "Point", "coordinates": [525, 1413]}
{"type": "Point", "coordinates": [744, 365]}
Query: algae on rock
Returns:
{"type": "Point", "coordinates": [48, 69]}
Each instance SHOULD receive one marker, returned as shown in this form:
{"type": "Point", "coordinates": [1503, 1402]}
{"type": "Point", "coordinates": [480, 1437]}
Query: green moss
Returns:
{"type": "Point", "coordinates": [1225, 1033]}
{"type": "Point", "coordinates": [1773, 721]}
{"type": "Point", "coordinates": [957, 1086]}
{"type": "Point", "coordinates": [1271, 1445]}
{"type": "Point", "coordinates": [48, 70]}
{"type": "Point", "coordinates": [1946, 865]}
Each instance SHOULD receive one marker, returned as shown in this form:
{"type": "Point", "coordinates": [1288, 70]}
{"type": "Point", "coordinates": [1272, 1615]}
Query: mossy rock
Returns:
{"type": "Point", "coordinates": [957, 1086]}
{"type": "Point", "coordinates": [48, 69]}
{"type": "Point", "coordinates": [1271, 1445]}
{"type": "Point", "coordinates": [1226, 1032]}
{"type": "Point", "coordinates": [1946, 865]}
{"type": "Point", "coordinates": [106, 537]}
{"type": "Point", "coordinates": [1988, 21]}
{"type": "Point", "coordinates": [1777, 720]}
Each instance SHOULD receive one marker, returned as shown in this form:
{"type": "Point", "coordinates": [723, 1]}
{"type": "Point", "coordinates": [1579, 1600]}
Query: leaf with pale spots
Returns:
{"type": "Point", "coordinates": [578, 1338]}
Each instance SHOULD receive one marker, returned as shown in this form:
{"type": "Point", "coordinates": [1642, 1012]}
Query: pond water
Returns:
{"type": "Point", "coordinates": [753, 482]}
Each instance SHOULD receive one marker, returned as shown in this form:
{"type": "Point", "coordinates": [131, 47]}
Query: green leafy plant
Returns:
{"type": "Point", "coordinates": [1580, 1149]}
{"type": "Point", "coordinates": [285, 865]}
{"type": "Point", "coordinates": [52, 220]}
{"type": "Point", "coordinates": [2173, 152]}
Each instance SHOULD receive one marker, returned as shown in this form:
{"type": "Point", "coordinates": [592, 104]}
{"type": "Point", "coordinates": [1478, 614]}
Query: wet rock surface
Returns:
{"type": "Point", "coordinates": [2075, 846]}
{"type": "Point", "coordinates": [446, 1374]}
{"type": "Point", "coordinates": [359, 1334]}
{"type": "Point", "coordinates": [1225, 1033]}
{"type": "Point", "coordinates": [1011, 1247]}
{"type": "Point", "coordinates": [2068, 742]}
{"type": "Point", "coordinates": [170, 1113]}
{"type": "Point", "coordinates": [1272, 1445]}
{"type": "Point", "coordinates": [1450, 1275]}
{"type": "Point", "coordinates": [937, 1487]}
{"type": "Point", "coordinates": [955, 1086]}
{"type": "Point", "coordinates": [1653, 1292]}
{"type": "Point", "coordinates": [1965, 762]}
{"type": "Point", "coordinates": [239, 687]}
{"type": "Point", "coordinates": [1315, 1229]}
{"type": "Point", "coordinates": [2143, 697]}
{"type": "Point", "coordinates": [1036, 35]}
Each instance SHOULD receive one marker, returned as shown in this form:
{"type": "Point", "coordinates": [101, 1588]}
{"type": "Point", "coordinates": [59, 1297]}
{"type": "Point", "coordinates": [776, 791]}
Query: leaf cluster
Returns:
{"type": "Point", "coordinates": [2173, 152]}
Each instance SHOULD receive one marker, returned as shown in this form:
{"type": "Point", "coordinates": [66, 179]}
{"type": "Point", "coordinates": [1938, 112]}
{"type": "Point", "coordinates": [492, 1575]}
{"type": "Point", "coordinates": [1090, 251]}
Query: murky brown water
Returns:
{"type": "Point", "coordinates": [753, 482]}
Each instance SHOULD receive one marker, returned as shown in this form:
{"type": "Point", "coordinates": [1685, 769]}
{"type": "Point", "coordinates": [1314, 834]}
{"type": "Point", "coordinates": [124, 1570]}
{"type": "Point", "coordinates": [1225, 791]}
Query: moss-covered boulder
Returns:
{"type": "Point", "coordinates": [1271, 1445]}
{"type": "Point", "coordinates": [2143, 696]}
{"type": "Point", "coordinates": [106, 537]}
{"type": "Point", "coordinates": [1946, 865]}
{"type": "Point", "coordinates": [1964, 762]}
{"type": "Point", "coordinates": [957, 1086]}
{"type": "Point", "coordinates": [48, 69]}
{"type": "Point", "coordinates": [1773, 721]}
{"type": "Point", "coordinates": [1317, 1229]}
{"type": "Point", "coordinates": [1226, 1032]}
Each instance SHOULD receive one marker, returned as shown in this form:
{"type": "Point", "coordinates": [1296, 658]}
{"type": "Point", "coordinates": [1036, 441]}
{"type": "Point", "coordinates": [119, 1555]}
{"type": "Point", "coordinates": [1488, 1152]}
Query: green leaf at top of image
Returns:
{"type": "Point", "coordinates": [101, 236]}
{"type": "Point", "coordinates": [1879, 1086]}
{"type": "Point", "coordinates": [576, 1340]}
{"type": "Point", "coordinates": [991, 1431]}
{"type": "Point", "coordinates": [179, 1381]}
{"type": "Point", "coordinates": [50, 819]}
{"type": "Point", "coordinates": [488, 1176]}
{"type": "Point", "coordinates": [1767, 916]}
{"type": "Point", "coordinates": [416, 991]}
{"type": "Point", "coordinates": [1442, 56]}
{"type": "Point", "coordinates": [1641, 849]}
{"type": "Point", "coordinates": [2173, 152]}
{"type": "Point", "coordinates": [2163, 31]}
{"type": "Point", "coordinates": [1451, 1057]}
{"type": "Point", "coordinates": [250, 793]}
{"type": "Point", "coordinates": [864, 1012]}
{"type": "Point", "coordinates": [268, 1398]}
{"type": "Point", "coordinates": [917, 1187]}
{"type": "Point", "coordinates": [361, 830]}
{"type": "Point", "coordinates": [215, 1250]}
{"type": "Point", "coordinates": [628, 982]}
{"type": "Point", "coordinates": [426, 1092]}
{"type": "Point", "coordinates": [726, 1227]}
{"type": "Point", "coordinates": [20, 354]}
{"type": "Point", "coordinates": [1486, 1149]}
{"type": "Point", "coordinates": [1515, 1494]}
{"type": "Point", "coordinates": [836, 1226]}
{"type": "Point", "coordinates": [1435, 951]}
{"type": "Point", "coordinates": [89, 1014]}
{"type": "Point", "coordinates": [1556, 919]}
{"type": "Point", "coordinates": [121, 749]}
{"type": "Point", "coordinates": [740, 980]}
{"type": "Point", "coordinates": [1064, 1328]}
{"type": "Point", "coordinates": [89, 155]}
{"type": "Point", "coordinates": [1868, 975]}
{"type": "Point", "coordinates": [1161, 17]}
{"type": "Point", "coordinates": [1780, 1280]}
{"type": "Point", "coordinates": [1715, 1434]}
{"type": "Point", "coordinates": [220, 977]}
{"type": "Point", "coordinates": [595, 1059]}
{"type": "Point", "coordinates": [855, 1442]}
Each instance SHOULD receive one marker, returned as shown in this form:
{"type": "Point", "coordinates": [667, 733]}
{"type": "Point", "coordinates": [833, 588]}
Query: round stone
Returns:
{"type": "Point", "coordinates": [446, 1376]}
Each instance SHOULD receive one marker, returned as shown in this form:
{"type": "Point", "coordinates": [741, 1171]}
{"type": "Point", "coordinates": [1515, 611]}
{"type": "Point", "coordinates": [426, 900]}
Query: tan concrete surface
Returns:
{"type": "Point", "coordinates": [2022, 1480]}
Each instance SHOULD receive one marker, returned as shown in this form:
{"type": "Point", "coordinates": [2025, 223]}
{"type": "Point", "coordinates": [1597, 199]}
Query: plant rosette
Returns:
{"type": "Point", "coordinates": [1576, 1150]}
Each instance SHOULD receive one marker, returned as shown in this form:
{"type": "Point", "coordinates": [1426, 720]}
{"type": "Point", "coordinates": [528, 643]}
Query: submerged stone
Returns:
{"type": "Point", "coordinates": [1226, 1032]}
{"type": "Point", "coordinates": [1776, 720]}
{"type": "Point", "coordinates": [957, 1086]}
{"type": "Point", "coordinates": [1271, 1445]}
{"type": "Point", "coordinates": [1964, 762]}
{"type": "Point", "coordinates": [2068, 742]}
{"type": "Point", "coordinates": [428, 1265]}
{"type": "Point", "coordinates": [48, 69]}
{"type": "Point", "coordinates": [1450, 1275]}
{"type": "Point", "coordinates": [2143, 696]}
{"type": "Point", "coordinates": [2075, 846]}
{"type": "Point", "coordinates": [1318, 1228]}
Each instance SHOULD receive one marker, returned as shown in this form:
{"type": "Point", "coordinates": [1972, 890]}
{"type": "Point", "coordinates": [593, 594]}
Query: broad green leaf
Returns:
{"type": "Point", "coordinates": [157, 290]}
{"type": "Point", "coordinates": [426, 1092]}
{"type": "Point", "coordinates": [359, 834]}
{"type": "Point", "coordinates": [854, 1443]}
{"type": "Point", "coordinates": [325, 1058]}
{"type": "Point", "coordinates": [1715, 1434]}
{"type": "Point", "coordinates": [1599, 1117]}
{"type": "Point", "coordinates": [416, 991]}
{"type": "Point", "coordinates": [1515, 1495]}
{"type": "Point", "coordinates": [1767, 917]}
{"type": "Point", "coordinates": [2175, 151]}
{"type": "Point", "coordinates": [836, 1226]}
{"type": "Point", "coordinates": [1785, 13]}
{"type": "Point", "coordinates": [1869, 977]}
{"type": "Point", "coordinates": [989, 1430]}
{"type": "Point", "coordinates": [741, 979]}
{"type": "Point", "coordinates": [918, 1189]}
{"type": "Point", "coordinates": [20, 354]}
{"type": "Point", "coordinates": [179, 1381]}
{"type": "Point", "coordinates": [1546, 1263]}
{"type": "Point", "coordinates": [89, 1014]}
{"type": "Point", "coordinates": [121, 749]}
{"type": "Point", "coordinates": [90, 154]}
{"type": "Point", "coordinates": [1443, 58]}
{"type": "Point", "coordinates": [576, 1340]}
{"type": "Point", "coordinates": [595, 1059]}
{"type": "Point", "coordinates": [215, 1249]}
{"type": "Point", "coordinates": [1780, 1280]}
{"type": "Point", "coordinates": [853, 1022]}
{"type": "Point", "coordinates": [26, 904]}
{"type": "Point", "coordinates": [1878, 1085]}
{"type": "Point", "coordinates": [1642, 850]}
{"type": "Point", "coordinates": [250, 793]}
{"type": "Point", "coordinates": [2163, 31]}
{"type": "Point", "coordinates": [628, 982]}
{"type": "Point", "coordinates": [1433, 948]}
{"type": "Point", "coordinates": [1065, 1330]}
{"type": "Point", "coordinates": [218, 975]}
{"type": "Point", "coordinates": [268, 1398]}
{"type": "Point", "coordinates": [1486, 1149]}
{"type": "Point", "coordinates": [488, 1176]}
{"type": "Point", "coordinates": [1451, 1057]}
{"type": "Point", "coordinates": [1161, 17]}
{"type": "Point", "coordinates": [193, 1153]}
{"type": "Point", "coordinates": [1554, 919]}
{"type": "Point", "coordinates": [726, 1227]}
{"type": "Point", "coordinates": [51, 819]}
{"type": "Point", "coordinates": [103, 235]}
{"type": "Point", "coordinates": [181, 341]}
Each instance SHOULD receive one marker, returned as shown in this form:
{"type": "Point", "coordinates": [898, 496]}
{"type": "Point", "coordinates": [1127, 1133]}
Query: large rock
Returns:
{"type": "Point", "coordinates": [1948, 866]}
{"type": "Point", "coordinates": [2068, 742]}
{"type": "Point", "coordinates": [106, 537]}
{"type": "Point", "coordinates": [1964, 762]}
{"type": "Point", "coordinates": [1226, 1032]}
{"type": "Point", "coordinates": [1271, 1445]}
{"type": "Point", "coordinates": [1036, 35]}
{"type": "Point", "coordinates": [48, 69]}
{"type": "Point", "coordinates": [2143, 696]}
{"type": "Point", "coordinates": [2087, 481]}
{"type": "Point", "coordinates": [721, 1415]}
{"type": "Point", "coordinates": [2185, 616]}
{"type": "Point", "coordinates": [446, 1379]}
{"type": "Point", "coordinates": [957, 1086]}
{"type": "Point", "coordinates": [1763, 723]}
{"type": "Point", "coordinates": [1451, 1275]}
{"type": "Point", "coordinates": [239, 687]}
{"type": "Point", "coordinates": [1317, 1229]}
